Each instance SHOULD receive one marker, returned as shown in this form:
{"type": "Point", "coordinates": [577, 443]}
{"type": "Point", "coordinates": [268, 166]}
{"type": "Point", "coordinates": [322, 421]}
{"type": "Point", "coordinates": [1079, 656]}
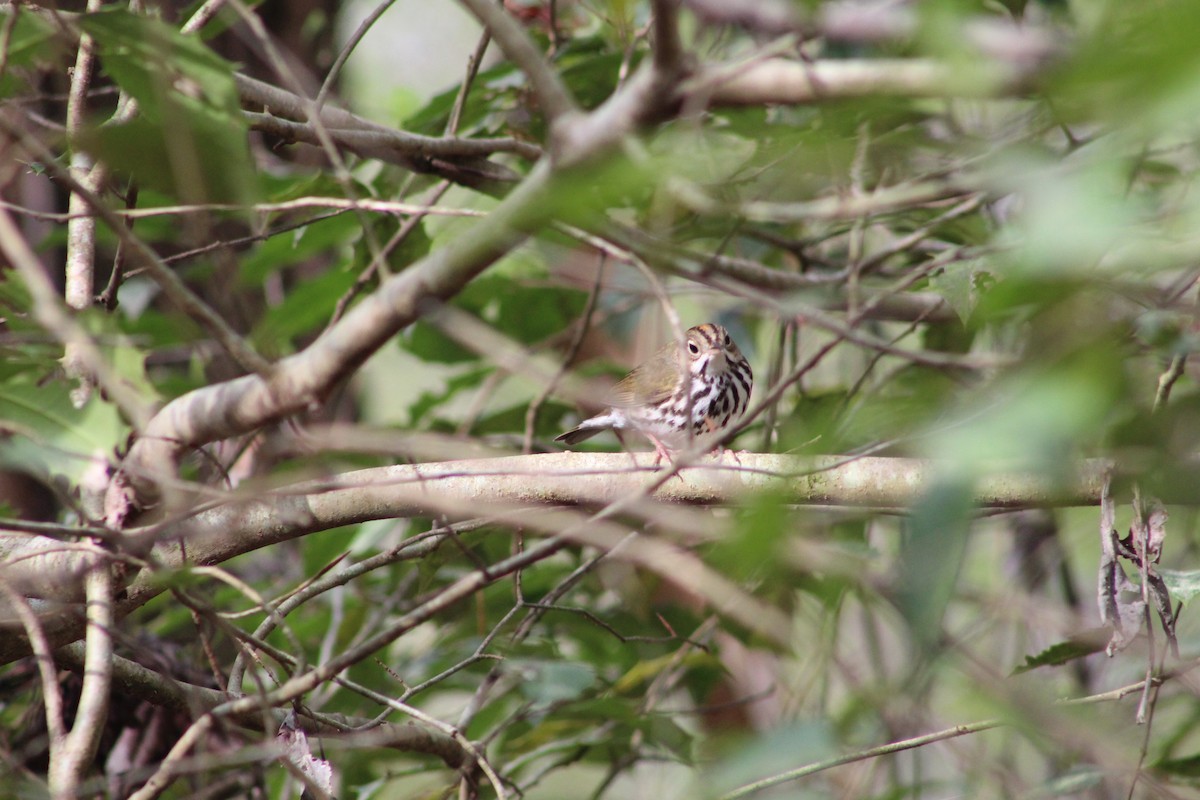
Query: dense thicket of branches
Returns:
{"type": "Point", "coordinates": [282, 509]}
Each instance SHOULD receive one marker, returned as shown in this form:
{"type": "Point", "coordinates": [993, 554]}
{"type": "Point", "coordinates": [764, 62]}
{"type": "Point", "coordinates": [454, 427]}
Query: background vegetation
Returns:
{"type": "Point", "coordinates": [282, 509]}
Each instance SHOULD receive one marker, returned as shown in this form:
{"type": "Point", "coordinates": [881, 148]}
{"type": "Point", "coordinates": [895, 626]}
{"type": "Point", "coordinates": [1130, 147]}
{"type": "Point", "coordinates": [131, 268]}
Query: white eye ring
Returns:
{"type": "Point", "coordinates": [693, 348]}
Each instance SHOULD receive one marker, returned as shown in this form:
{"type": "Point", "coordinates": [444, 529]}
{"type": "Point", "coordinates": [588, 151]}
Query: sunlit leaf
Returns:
{"type": "Point", "coordinates": [49, 435]}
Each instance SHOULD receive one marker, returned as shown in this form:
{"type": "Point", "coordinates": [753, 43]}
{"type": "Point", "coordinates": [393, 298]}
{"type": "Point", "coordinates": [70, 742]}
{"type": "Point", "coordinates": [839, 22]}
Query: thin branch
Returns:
{"type": "Point", "coordinates": [406, 146]}
{"type": "Point", "coordinates": [377, 264]}
{"type": "Point", "coordinates": [202, 16]}
{"type": "Point", "coordinates": [414, 548]}
{"type": "Point", "coordinates": [43, 654]}
{"type": "Point", "coordinates": [340, 203]}
{"type": "Point", "coordinates": [108, 297]}
{"type": "Point", "coordinates": [464, 90]}
{"type": "Point", "coordinates": [909, 744]}
{"type": "Point", "coordinates": [552, 94]}
{"type": "Point", "coordinates": [1167, 379]}
{"type": "Point", "coordinates": [862, 755]}
{"type": "Point", "coordinates": [335, 70]}
{"type": "Point", "coordinates": [583, 325]}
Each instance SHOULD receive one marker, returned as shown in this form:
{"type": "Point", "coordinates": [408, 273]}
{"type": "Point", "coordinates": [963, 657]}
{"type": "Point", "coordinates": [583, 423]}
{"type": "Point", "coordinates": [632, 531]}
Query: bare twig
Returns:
{"type": "Point", "coordinates": [335, 70]}
{"type": "Point", "coordinates": [553, 98]}
{"type": "Point", "coordinates": [202, 16]}
{"type": "Point", "coordinates": [464, 90]}
{"type": "Point", "coordinates": [583, 325]}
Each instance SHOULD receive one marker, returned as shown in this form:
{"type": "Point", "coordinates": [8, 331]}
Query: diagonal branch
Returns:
{"type": "Point", "coordinates": [234, 407]}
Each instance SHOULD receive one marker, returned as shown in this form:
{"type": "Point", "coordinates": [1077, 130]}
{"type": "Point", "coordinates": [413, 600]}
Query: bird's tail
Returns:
{"type": "Point", "coordinates": [579, 433]}
{"type": "Point", "coordinates": [593, 425]}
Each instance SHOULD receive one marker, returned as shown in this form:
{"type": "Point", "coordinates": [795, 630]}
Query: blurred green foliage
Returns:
{"type": "Point", "coordinates": [1071, 287]}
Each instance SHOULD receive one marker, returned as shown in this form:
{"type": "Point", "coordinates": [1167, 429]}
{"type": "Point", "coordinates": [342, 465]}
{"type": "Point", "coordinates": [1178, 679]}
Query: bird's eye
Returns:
{"type": "Point", "coordinates": [727, 340]}
{"type": "Point", "coordinates": [693, 348]}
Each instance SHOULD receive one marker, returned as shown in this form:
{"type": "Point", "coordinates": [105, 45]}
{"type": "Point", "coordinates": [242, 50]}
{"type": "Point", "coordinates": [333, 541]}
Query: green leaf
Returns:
{"type": "Point", "coordinates": [958, 285]}
{"type": "Point", "coordinates": [1140, 68]}
{"type": "Point", "coordinates": [1076, 647]}
{"type": "Point", "coordinates": [1183, 585]}
{"type": "Point", "coordinates": [1186, 767]}
{"type": "Point", "coordinates": [189, 139]}
{"type": "Point", "coordinates": [546, 682]}
{"type": "Point", "coordinates": [308, 306]}
{"type": "Point", "coordinates": [1073, 783]}
{"type": "Point", "coordinates": [49, 436]}
{"type": "Point", "coordinates": [645, 671]}
{"type": "Point", "coordinates": [32, 41]}
{"type": "Point", "coordinates": [932, 550]}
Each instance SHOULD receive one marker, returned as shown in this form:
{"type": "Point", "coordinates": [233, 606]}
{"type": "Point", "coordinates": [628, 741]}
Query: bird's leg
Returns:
{"type": "Point", "coordinates": [625, 447]}
{"type": "Point", "coordinates": [660, 450]}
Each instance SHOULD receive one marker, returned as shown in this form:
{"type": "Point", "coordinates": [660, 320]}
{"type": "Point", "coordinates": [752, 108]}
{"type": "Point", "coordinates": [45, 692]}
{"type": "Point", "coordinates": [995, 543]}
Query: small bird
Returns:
{"type": "Point", "coordinates": [654, 399]}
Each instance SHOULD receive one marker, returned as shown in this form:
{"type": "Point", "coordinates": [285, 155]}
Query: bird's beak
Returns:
{"type": "Point", "coordinates": [716, 357]}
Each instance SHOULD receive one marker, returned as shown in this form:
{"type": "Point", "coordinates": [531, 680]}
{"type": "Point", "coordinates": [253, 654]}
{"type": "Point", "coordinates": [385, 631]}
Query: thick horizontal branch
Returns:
{"type": "Point", "coordinates": [511, 490]}
{"type": "Point", "coordinates": [478, 486]}
{"type": "Point", "coordinates": [784, 81]}
{"type": "Point", "coordinates": [603, 478]}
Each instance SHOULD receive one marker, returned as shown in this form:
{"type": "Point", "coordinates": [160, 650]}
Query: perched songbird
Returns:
{"type": "Point", "coordinates": [654, 399]}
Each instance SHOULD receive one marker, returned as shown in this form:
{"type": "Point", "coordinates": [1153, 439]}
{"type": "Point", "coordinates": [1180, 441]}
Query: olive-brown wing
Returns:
{"type": "Point", "coordinates": [651, 382]}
